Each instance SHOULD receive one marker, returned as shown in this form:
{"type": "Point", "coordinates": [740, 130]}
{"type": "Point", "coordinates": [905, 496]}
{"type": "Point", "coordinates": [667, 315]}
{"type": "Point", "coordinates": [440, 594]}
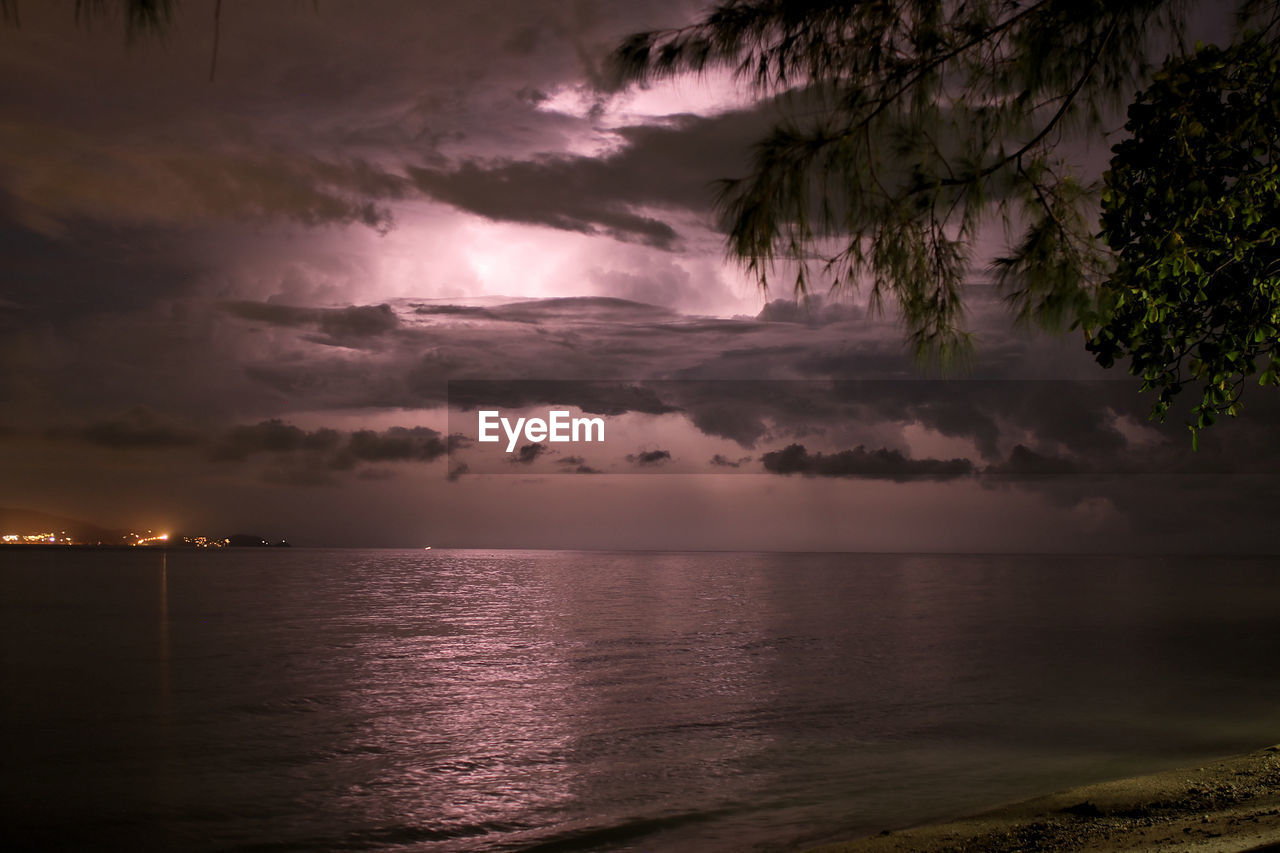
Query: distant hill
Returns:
{"type": "Point", "coordinates": [14, 520]}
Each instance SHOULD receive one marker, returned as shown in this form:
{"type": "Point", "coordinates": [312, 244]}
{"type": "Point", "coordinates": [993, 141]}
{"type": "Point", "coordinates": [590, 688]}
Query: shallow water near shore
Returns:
{"type": "Point", "coordinates": [537, 700]}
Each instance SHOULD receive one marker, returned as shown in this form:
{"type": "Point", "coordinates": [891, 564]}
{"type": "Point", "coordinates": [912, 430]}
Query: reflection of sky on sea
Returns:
{"type": "Point", "coordinates": [583, 698]}
{"type": "Point", "coordinates": [461, 686]}
{"type": "Point", "coordinates": [500, 695]}
{"type": "Point", "coordinates": [667, 683]}
{"type": "Point", "coordinates": [487, 700]}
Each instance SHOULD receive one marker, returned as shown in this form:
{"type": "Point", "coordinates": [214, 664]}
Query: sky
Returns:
{"type": "Point", "coordinates": [245, 304]}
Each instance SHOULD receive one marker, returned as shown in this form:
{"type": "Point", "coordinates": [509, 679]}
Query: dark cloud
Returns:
{"type": "Point", "coordinates": [273, 436]}
{"type": "Point", "coordinates": [365, 356]}
{"type": "Point", "coordinates": [555, 193]}
{"type": "Point", "coordinates": [734, 422]}
{"type": "Point", "coordinates": [578, 308]}
{"type": "Point", "coordinates": [527, 453]}
{"type": "Point", "coordinates": [1025, 461]}
{"type": "Point", "coordinates": [877, 464]}
{"type": "Point", "coordinates": [668, 166]}
{"type": "Point", "coordinates": [721, 461]}
{"type": "Point", "coordinates": [1095, 426]}
{"type": "Point", "coordinates": [456, 311]}
{"type": "Point", "coordinates": [1084, 419]}
{"type": "Point", "coordinates": [159, 183]}
{"type": "Point", "coordinates": [54, 279]}
{"type": "Point", "coordinates": [338, 326]}
{"type": "Point", "coordinates": [578, 464]}
{"type": "Point", "coordinates": [647, 458]}
{"type": "Point", "coordinates": [396, 444]}
{"type": "Point", "coordinates": [393, 357]}
{"type": "Point", "coordinates": [300, 456]}
{"type": "Point", "coordinates": [303, 108]}
{"type": "Point", "coordinates": [139, 428]}
{"type": "Point", "coordinates": [813, 310]}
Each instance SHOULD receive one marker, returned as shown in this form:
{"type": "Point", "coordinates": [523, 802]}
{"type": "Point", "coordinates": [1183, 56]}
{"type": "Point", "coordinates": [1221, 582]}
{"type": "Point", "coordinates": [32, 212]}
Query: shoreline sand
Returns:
{"type": "Point", "coordinates": [1229, 805]}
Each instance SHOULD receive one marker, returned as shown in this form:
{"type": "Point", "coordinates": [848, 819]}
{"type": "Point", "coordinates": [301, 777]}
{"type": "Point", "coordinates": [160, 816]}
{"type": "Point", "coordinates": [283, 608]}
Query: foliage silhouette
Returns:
{"type": "Point", "coordinates": [1190, 210]}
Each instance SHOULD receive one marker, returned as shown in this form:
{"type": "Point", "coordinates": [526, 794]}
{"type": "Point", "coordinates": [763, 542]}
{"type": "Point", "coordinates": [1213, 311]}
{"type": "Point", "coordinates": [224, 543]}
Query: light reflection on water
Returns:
{"type": "Point", "coordinates": [468, 701]}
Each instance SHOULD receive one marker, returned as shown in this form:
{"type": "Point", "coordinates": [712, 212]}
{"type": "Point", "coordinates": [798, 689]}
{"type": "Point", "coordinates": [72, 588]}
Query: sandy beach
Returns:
{"type": "Point", "coordinates": [1224, 806]}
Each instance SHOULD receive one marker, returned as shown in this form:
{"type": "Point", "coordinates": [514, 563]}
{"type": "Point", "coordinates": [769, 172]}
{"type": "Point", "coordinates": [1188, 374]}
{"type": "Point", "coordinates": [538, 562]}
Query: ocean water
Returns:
{"type": "Point", "coordinates": [563, 701]}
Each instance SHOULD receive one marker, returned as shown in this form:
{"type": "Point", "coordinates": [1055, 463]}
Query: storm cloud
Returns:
{"type": "Point", "coordinates": [649, 458]}
{"type": "Point", "coordinates": [859, 462]}
{"type": "Point", "coordinates": [337, 326]}
{"type": "Point", "coordinates": [662, 167]}
{"type": "Point", "coordinates": [215, 296]}
{"type": "Point", "coordinates": [527, 453]}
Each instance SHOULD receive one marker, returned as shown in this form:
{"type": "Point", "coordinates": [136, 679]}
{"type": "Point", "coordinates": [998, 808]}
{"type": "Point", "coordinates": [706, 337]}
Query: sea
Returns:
{"type": "Point", "coordinates": [447, 700]}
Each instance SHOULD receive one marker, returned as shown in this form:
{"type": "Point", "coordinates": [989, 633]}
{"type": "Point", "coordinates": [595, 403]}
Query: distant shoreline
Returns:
{"type": "Point", "coordinates": [1231, 805]}
{"type": "Point", "coordinates": [10, 546]}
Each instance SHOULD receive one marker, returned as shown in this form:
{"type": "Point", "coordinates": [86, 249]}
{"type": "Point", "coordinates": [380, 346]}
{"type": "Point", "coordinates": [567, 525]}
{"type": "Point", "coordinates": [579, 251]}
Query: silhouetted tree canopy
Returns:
{"type": "Point", "coordinates": [1190, 210]}
{"type": "Point", "coordinates": [913, 123]}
